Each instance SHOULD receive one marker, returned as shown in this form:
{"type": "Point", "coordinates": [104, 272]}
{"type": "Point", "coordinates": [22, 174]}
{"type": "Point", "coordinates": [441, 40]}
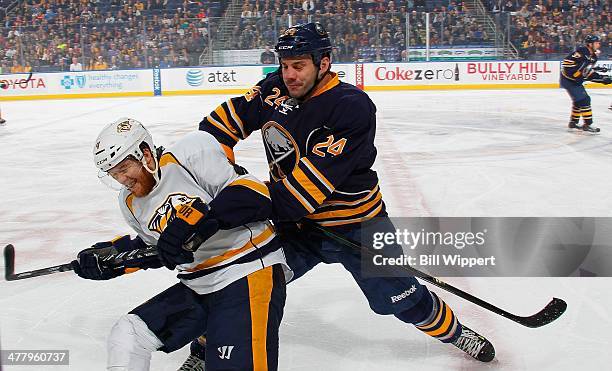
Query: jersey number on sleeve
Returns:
{"type": "Point", "coordinates": [333, 148]}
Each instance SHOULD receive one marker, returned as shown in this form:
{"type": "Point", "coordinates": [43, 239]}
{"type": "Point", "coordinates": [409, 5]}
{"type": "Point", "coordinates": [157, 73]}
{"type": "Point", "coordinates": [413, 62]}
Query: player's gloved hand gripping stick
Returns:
{"type": "Point", "coordinates": [192, 225]}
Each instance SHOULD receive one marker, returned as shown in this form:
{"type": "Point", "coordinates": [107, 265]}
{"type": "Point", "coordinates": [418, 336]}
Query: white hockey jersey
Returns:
{"type": "Point", "coordinates": [196, 166]}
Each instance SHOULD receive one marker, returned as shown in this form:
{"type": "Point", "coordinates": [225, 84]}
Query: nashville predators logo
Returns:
{"type": "Point", "coordinates": [124, 126]}
{"type": "Point", "coordinates": [167, 211]}
{"type": "Point", "coordinates": [281, 149]}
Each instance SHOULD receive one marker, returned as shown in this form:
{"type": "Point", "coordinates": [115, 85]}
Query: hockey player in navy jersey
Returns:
{"type": "Point", "coordinates": [232, 281]}
{"type": "Point", "coordinates": [318, 134]}
{"type": "Point", "coordinates": [576, 68]}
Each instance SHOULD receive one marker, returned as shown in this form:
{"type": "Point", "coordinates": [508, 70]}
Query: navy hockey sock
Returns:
{"type": "Point", "coordinates": [442, 323]}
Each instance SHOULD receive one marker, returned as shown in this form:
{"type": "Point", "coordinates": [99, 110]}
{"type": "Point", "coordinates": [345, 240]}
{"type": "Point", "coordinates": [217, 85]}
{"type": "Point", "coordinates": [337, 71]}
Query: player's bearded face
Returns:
{"type": "Point", "coordinates": [299, 75]}
{"type": "Point", "coordinates": [132, 175]}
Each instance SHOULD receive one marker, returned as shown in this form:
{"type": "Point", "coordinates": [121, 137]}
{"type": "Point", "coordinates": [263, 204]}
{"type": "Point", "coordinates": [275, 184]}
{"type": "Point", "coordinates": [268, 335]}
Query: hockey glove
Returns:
{"type": "Point", "coordinates": [600, 69]}
{"type": "Point", "coordinates": [97, 262]}
{"type": "Point", "coordinates": [603, 79]}
{"type": "Point", "coordinates": [185, 233]}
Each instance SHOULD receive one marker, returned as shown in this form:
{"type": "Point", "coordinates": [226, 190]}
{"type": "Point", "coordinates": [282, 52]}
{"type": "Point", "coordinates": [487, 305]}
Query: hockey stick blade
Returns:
{"type": "Point", "coordinates": [9, 261]}
{"type": "Point", "coordinates": [9, 271]}
{"type": "Point", "coordinates": [553, 310]}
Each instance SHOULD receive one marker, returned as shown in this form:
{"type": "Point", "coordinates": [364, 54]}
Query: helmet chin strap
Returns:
{"type": "Point", "coordinates": [317, 80]}
{"type": "Point", "coordinates": [155, 171]}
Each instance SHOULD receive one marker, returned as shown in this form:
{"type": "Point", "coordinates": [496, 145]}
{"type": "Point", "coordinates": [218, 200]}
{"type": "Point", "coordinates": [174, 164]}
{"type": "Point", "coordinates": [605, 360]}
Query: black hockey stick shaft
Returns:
{"type": "Point", "coordinates": [118, 258]}
{"type": "Point", "coordinates": [10, 275]}
{"type": "Point", "coordinates": [553, 310]}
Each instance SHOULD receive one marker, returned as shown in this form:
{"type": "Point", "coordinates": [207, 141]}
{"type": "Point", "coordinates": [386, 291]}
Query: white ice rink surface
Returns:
{"type": "Point", "coordinates": [471, 153]}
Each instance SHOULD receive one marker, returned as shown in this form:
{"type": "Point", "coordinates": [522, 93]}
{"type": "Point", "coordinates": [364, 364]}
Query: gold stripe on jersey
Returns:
{"type": "Point", "coordinates": [333, 223]}
{"type": "Point", "coordinates": [348, 212]}
{"type": "Point", "coordinates": [236, 118]}
{"type": "Point", "coordinates": [317, 174]}
{"type": "Point", "coordinates": [229, 152]}
{"type": "Point", "coordinates": [220, 111]}
{"type": "Point", "coordinates": [263, 238]}
{"type": "Point", "coordinates": [298, 196]}
{"type": "Point", "coordinates": [220, 126]}
{"type": "Point", "coordinates": [129, 200]}
{"type": "Point", "coordinates": [351, 203]}
{"type": "Point", "coordinates": [308, 185]}
{"type": "Point", "coordinates": [167, 158]}
{"type": "Point", "coordinates": [253, 185]}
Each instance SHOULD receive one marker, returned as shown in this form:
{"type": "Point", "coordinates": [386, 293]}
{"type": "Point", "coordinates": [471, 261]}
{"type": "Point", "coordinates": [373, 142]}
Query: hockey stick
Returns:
{"type": "Point", "coordinates": [553, 310]}
{"type": "Point", "coordinates": [118, 258]}
{"type": "Point", "coordinates": [9, 272]}
{"type": "Point", "coordinates": [4, 84]}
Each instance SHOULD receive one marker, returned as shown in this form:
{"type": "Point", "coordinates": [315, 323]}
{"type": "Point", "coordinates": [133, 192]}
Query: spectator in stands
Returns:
{"type": "Point", "coordinates": [100, 64]}
{"type": "Point", "coordinates": [76, 65]}
{"type": "Point", "coordinates": [268, 56]}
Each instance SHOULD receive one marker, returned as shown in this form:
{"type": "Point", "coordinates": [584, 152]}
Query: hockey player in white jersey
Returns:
{"type": "Point", "coordinates": [207, 218]}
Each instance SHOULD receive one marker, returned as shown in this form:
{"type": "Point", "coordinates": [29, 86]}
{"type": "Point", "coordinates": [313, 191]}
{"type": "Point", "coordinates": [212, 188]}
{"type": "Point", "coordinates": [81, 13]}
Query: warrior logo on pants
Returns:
{"type": "Point", "coordinates": [225, 352]}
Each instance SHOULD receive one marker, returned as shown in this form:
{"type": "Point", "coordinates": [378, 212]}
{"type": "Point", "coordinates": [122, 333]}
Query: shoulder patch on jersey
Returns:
{"type": "Point", "coordinates": [129, 201]}
{"type": "Point", "coordinates": [576, 55]}
{"type": "Point", "coordinates": [168, 158]}
{"type": "Point", "coordinates": [166, 212]}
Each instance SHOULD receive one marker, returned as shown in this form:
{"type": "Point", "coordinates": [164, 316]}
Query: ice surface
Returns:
{"type": "Point", "coordinates": [450, 153]}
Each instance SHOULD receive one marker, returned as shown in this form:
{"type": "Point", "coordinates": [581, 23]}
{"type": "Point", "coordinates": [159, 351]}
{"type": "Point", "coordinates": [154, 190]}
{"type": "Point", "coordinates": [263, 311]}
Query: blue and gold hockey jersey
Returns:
{"type": "Point", "coordinates": [320, 152]}
{"type": "Point", "coordinates": [578, 66]}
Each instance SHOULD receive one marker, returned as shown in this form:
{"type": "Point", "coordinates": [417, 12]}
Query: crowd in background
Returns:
{"type": "Point", "coordinates": [52, 35]}
{"type": "Point", "coordinates": [103, 34]}
{"type": "Point", "coordinates": [549, 28]}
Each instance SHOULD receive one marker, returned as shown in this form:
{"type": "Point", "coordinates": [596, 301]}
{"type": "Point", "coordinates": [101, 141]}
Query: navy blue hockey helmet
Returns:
{"type": "Point", "coordinates": [591, 39]}
{"type": "Point", "coordinates": [302, 39]}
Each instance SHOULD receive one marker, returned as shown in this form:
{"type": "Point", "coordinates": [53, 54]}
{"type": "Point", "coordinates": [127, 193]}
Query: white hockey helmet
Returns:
{"type": "Point", "coordinates": [118, 140]}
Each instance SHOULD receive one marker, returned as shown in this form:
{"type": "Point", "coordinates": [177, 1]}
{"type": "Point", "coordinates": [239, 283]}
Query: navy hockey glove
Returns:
{"type": "Point", "coordinates": [600, 69]}
{"type": "Point", "coordinates": [192, 226]}
{"type": "Point", "coordinates": [95, 263]}
{"type": "Point", "coordinates": [603, 79]}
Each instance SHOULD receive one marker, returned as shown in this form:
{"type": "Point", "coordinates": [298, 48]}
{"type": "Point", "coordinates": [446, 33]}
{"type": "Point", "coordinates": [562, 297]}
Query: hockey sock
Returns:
{"type": "Point", "coordinates": [442, 323]}
{"type": "Point", "coordinates": [575, 117]}
{"type": "Point", "coordinates": [587, 115]}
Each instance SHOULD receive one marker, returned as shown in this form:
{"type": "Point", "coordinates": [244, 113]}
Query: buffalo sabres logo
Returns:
{"type": "Point", "coordinates": [167, 211]}
{"type": "Point", "coordinates": [281, 149]}
{"type": "Point", "coordinates": [124, 126]}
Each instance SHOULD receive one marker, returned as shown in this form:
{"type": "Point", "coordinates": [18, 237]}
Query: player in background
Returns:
{"type": "Point", "coordinates": [232, 286]}
{"type": "Point", "coordinates": [3, 85]}
{"type": "Point", "coordinates": [318, 135]}
{"type": "Point", "coordinates": [2, 121]}
{"type": "Point", "coordinates": [576, 68]}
